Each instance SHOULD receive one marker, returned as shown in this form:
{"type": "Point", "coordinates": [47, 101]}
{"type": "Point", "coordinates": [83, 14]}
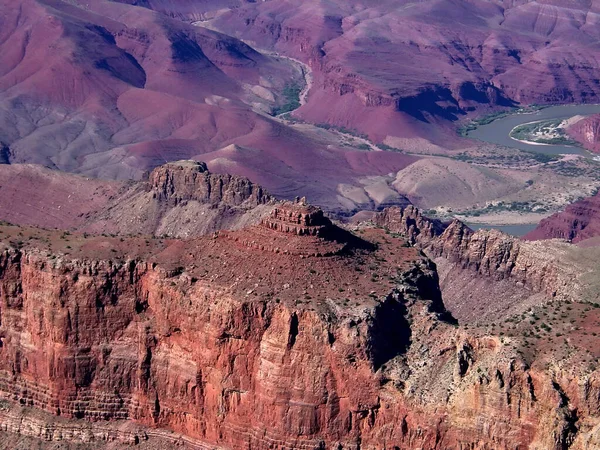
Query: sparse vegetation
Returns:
{"type": "Point", "coordinates": [485, 120]}
{"type": "Point", "coordinates": [524, 207]}
{"type": "Point", "coordinates": [291, 96]}
{"type": "Point", "coordinates": [388, 148]}
{"type": "Point", "coordinates": [516, 158]}
{"type": "Point", "coordinates": [343, 130]}
{"type": "Point", "coordinates": [544, 132]}
{"type": "Point", "coordinates": [489, 118]}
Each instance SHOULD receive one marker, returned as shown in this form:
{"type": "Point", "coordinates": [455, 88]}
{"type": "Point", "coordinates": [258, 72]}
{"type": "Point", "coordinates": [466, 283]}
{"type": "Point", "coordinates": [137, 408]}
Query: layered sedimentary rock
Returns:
{"type": "Point", "coordinates": [191, 180]}
{"type": "Point", "coordinates": [298, 218]}
{"type": "Point", "coordinates": [219, 340]}
{"type": "Point", "coordinates": [179, 199]}
{"type": "Point", "coordinates": [587, 132]}
{"type": "Point", "coordinates": [409, 222]}
{"type": "Point", "coordinates": [508, 268]}
{"type": "Point", "coordinates": [24, 428]}
{"type": "Point", "coordinates": [182, 199]}
{"type": "Point", "coordinates": [578, 222]}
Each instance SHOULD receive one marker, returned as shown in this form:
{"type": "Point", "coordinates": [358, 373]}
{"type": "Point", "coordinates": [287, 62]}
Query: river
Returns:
{"type": "Point", "coordinates": [513, 230]}
{"type": "Point", "coordinates": [497, 132]}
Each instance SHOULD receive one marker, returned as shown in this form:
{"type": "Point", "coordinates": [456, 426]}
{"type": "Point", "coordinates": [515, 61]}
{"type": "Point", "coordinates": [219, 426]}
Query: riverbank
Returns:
{"type": "Point", "coordinates": [513, 230]}
{"type": "Point", "coordinates": [528, 142]}
{"type": "Point", "coordinates": [544, 132]}
{"type": "Point", "coordinates": [499, 131]}
{"type": "Point", "coordinates": [504, 218]}
{"type": "Point", "coordinates": [513, 223]}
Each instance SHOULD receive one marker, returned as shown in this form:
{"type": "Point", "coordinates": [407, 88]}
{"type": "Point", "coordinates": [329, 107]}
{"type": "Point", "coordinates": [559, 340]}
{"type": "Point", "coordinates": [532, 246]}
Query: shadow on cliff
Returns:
{"type": "Point", "coordinates": [390, 327]}
{"type": "Point", "coordinates": [349, 240]}
{"type": "Point", "coordinates": [389, 332]}
{"type": "Point", "coordinates": [428, 102]}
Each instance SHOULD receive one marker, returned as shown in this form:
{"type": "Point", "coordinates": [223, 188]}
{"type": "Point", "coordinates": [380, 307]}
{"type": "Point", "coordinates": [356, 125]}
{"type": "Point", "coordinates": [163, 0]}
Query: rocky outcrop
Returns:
{"type": "Point", "coordinates": [298, 218]}
{"type": "Point", "coordinates": [578, 222]}
{"type": "Point", "coordinates": [26, 427]}
{"type": "Point", "coordinates": [587, 132]}
{"type": "Point", "coordinates": [242, 348]}
{"type": "Point", "coordinates": [488, 256]}
{"type": "Point", "coordinates": [190, 180]}
{"type": "Point", "coordinates": [182, 199]}
{"type": "Point", "coordinates": [409, 222]}
{"type": "Point", "coordinates": [302, 230]}
{"type": "Point", "coordinates": [496, 255]}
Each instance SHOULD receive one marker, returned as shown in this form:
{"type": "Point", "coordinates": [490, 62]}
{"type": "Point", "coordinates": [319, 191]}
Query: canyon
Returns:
{"type": "Point", "coordinates": [232, 224]}
{"type": "Point", "coordinates": [113, 89]}
{"type": "Point", "coordinates": [332, 337]}
{"type": "Point", "coordinates": [391, 69]}
{"type": "Point", "coordinates": [489, 264]}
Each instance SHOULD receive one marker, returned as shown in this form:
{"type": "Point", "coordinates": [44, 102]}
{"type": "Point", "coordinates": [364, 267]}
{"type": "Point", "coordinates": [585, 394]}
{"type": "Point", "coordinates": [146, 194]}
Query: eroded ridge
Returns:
{"type": "Point", "coordinates": [293, 228]}
{"type": "Point", "coordinates": [297, 228]}
{"type": "Point", "coordinates": [191, 180]}
{"type": "Point", "coordinates": [297, 218]}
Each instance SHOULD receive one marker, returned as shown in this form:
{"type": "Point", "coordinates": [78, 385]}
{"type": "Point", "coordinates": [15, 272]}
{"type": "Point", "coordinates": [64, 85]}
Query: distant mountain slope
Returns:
{"type": "Point", "coordinates": [392, 67]}
{"type": "Point", "coordinates": [120, 89]}
{"type": "Point", "coordinates": [34, 195]}
{"type": "Point", "coordinates": [577, 222]}
{"type": "Point", "coordinates": [112, 90]}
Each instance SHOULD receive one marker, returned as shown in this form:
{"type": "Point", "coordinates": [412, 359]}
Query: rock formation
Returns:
{"type": "Point", "coordinates": [182, 199]}
{"type": "Point", "coordinates": [190, 180]}
{"type": "Point", "coordinates": [298, 218]}
{"type": "Point", "coordinates": [234, 346]}
{"type": "Point", "coordinates": [179, 199]}
{"type": "Point", "coordinates": [587, 132]}
{"type": "Point", "coordinates": [488, 257]}
{"type": "Point", "coordinates": [578, 222]}
{"type": "Point", "coordinates": [409, 222]}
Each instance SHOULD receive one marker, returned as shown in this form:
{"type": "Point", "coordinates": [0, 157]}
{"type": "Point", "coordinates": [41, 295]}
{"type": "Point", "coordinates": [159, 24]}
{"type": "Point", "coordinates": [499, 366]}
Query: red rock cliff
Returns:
{"type": "Point", "coordinates": [579, 221]}
{"type": "Point", "coordinates": [487, 264]}
{"type": "Point", "coordinates": [191, 180]}
{"type": "Point", "coordinates": [250, 347]}
{"type": "Point", "coordinates": [587, 132]}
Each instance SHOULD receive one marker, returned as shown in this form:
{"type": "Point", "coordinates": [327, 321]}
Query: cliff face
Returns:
{"type": "Point", "coordinates": [182, 199]}
{"type": "Point", "coordinates": [99, 340]}
{"type": "Point", "coordinates": [410, 223]}
{"type": "Point", "coordinates": [509, 269]}
{"type": "Point", "coordinates": [579, 221]}
{"type": "Point", "coordinates": [294, 350]}
{"type": "Point", "coordinates": [587, 132]}
{"type": "Point", "coordinates": [191, 180]}
{"type": "Point", "coordinates": [179, 199]}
